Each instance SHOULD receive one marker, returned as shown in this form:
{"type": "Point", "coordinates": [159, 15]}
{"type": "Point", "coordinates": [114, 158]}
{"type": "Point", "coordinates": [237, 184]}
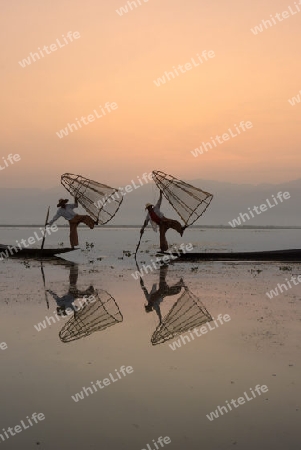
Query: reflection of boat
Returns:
{"type": "Point", "coordinates": [186, 314]}
{"type": "Point", "coordinates": [269, 256]}
{"type": "Point", "coordinates": [32, 252]}
{"type": "Point", "coordinates": [98, 315]}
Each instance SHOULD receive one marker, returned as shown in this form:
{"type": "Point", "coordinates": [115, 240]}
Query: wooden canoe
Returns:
{"type": "Point", "coordinates": [31, 252]}
{"type": "Point", "coordinates": [269, 256]}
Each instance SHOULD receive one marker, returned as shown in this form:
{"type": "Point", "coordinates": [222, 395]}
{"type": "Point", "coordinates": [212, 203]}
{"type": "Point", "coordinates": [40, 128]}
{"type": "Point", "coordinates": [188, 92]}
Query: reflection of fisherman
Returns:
{"type": "Point", "coordinates": [66, 301]}
{"type": "Point", "coordinates": [156, 296]}
{"type": "Point", "coordinates": [156, 219]}
{"type": "Point", "coordinates": [66, 210]}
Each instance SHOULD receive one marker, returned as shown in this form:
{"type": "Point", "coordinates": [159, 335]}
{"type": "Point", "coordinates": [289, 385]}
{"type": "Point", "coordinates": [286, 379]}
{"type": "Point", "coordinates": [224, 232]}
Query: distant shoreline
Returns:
{"type": "Point", "coordinates": [227, 227]}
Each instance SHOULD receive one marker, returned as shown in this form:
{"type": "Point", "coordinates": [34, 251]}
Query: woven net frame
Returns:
{"type": "Point", "coordinates": [99, 200]}
{"type": "Point", "coordinates": [96, 316]}
{"type": "Point", "coordinates": [187, 200]}
{"type": "Point", "coordinates": [186, 314]}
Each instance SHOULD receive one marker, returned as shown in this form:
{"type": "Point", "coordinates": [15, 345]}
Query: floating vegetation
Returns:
{"type": "Point", "coordinates": [89, 245]}
{"type": "Point", "coordinates": [255, 272]}
{"type": "Point", "coordinates": [26, 264]}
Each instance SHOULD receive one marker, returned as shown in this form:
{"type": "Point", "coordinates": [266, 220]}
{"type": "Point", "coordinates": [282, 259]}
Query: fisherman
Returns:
{"type": "Point", "coordinates": [156, 296]}
{"type": "Point", "coordinates": [156, 218]}
{"type": "Point", "coordinates": [66, 301]}
{"type": "Point", "coordinates": [66, 210]}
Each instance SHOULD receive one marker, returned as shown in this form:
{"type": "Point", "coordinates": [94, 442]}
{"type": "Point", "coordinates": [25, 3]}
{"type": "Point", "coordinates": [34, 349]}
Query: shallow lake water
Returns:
{"type": "Point", "coordinates": [172, 379]}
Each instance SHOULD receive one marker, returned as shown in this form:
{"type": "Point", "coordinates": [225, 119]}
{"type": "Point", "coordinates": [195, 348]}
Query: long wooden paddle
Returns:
{"type": "Point", "coordinates": [47, 217]}
{"type": "Point", "coordinates": [44, 281]}
{"type": "Point", "coordinates": [138, 245]}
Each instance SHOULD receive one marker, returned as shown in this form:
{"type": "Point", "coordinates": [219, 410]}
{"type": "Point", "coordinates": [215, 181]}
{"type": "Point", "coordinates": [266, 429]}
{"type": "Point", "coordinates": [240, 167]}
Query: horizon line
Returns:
{"type": "Point", "coordinates": [282, 227]}
{"type": "Point", "coordinates": [186, 180]}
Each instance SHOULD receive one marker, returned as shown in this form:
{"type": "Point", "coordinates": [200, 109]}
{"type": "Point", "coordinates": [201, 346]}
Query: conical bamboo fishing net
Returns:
{"type": "Point", "coordinates": [188, 201]}
{"type": "Point", "coordinates": [96, 316]}
{"type": "Point", "coordinates": [100, 201]}
{"type": "Point", "coordinates": [187, 313]}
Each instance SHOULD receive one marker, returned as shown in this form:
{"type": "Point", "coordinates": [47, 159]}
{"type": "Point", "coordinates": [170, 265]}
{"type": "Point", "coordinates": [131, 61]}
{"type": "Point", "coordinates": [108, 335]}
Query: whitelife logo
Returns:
{"type": "Point", "coordinates": [161, 440]}
{"type": "Point", "coordinates": [168, 76]}
{"type": "Point", "coordinates": [128, 188]}
{"type": "Point", "coordinates": [184, 338]}
{"type": "Point", "coordinates": [241, 401]}
{"type": "Point", "coordinates": [3, 346]}
{"type": "Point", "coordinates": [102, 384]}
{"type": "Point", "coordinates": [174, 253]}
{"type": "Point", "coordinates": [90, 118]}
{"type": "Point", "coordinates": [69, 311]}
{"type": "Point", "coordinates": [10, 250]}
{"type": "Point", "coordinates": [10, 160]}
{"type": "Point", "coordinates": [124, 9]}
{"type": "Point", "coordinates": [287, 286]}
{"type": "Point", "coordinates": [36, 417]}
{"type": "Point", "coordinates": [269, 23]}
{"type": "Point", "coordinates": [33, 57]}
{"type": "Point", "coordinates": [295, 100]}
{"type": "Point", "coordinates": [259, 209]}
{"type": "Point", "coordinates": [243, 126]}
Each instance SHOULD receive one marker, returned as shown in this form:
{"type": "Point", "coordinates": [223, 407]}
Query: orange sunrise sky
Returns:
{"type": "Point", "coordinates": [116, 58]}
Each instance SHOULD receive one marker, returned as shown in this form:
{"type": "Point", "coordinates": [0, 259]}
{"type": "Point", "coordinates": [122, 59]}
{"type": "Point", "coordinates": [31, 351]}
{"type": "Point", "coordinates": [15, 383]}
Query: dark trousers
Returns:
{"type": "Point", "coordinates": [73, 223]}
{"type": "Point", "coordinates": [165, 224]}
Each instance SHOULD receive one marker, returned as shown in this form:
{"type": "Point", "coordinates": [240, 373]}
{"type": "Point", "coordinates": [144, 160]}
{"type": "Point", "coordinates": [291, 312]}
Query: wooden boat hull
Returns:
{"type": "Point", "coordinates": [33, 252]}
{"type": "Point", "coordinates": [269, 256]}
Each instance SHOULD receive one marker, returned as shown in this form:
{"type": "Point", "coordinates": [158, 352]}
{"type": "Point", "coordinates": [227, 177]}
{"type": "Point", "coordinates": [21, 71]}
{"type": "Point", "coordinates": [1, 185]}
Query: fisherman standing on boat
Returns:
{"type": "Point", "coordinates": [156, 219]}
{"type": "Point", "coordinates": [67, 211]}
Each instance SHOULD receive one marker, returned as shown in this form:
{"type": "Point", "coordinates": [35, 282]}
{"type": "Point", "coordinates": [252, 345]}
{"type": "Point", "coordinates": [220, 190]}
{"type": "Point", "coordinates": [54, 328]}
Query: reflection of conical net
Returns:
{"type": "Point", "coordinates": [186, 314]}
{"type": "Point", "coordinates": [100, 201]}
{"type": "Point", "coordinates": [96, 316]}
{"type": "Point", "coordinates": [188, 201]}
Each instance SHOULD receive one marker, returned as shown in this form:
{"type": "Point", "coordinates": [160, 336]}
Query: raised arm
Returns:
{"type": "Point", "coordinates": [57, 216]}
{"type": "Point", "coordinates": [145, 223]}
{"type": "Point", "coordinates": [75, 204]}
{"type": "Point", "coordinates": [158, 204]}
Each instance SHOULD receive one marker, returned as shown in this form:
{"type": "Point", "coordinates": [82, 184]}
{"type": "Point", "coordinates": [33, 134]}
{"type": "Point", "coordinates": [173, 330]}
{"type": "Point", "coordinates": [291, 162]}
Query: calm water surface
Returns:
{"type": "Point", "coordinates": [136, 323]}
